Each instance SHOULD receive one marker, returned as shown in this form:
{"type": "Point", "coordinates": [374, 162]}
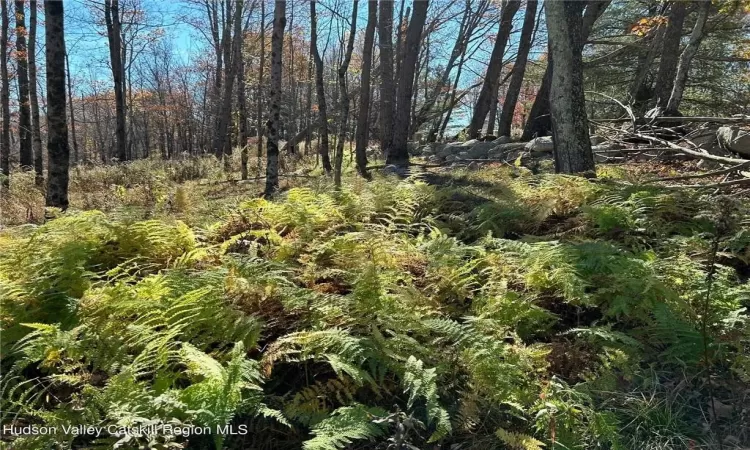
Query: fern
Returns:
{"type": "Point", "coordinates": [345, 426]}
{"type": "Point", "coordinates": [421, 383]}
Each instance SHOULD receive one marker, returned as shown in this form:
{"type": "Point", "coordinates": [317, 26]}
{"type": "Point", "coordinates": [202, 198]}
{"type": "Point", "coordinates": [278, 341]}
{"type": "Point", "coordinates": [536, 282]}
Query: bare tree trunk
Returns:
{"type": "Point", "coordinates": [58, 151]}
{"type": "Point", "coordinates": [399, 154]}
{"type": "Point", "coordinates": [519, 70]}
{"type": "Point", "coordinates": [259, 105]}
{"type": "Point", "coordinates": [670, 53]}
{"type": "Point", "coordinates": [683, 67]}
{"type": "Point", "coordinates": [114, 37]}
{"type": "Point", "coordinates": [539, 122]}
{"type": "Point", "coordinates": [4, 98]}
{"type": "Point", "coordinates": [274, 98]}
{"type": "Point", "coordinates": [492, 77]}
{"type": "Point", "coordinates": [224, 115]}
{"type": "Point", "coordinates": [24, 113]}
{"type": "Point", "coordinates": [385, 38]}
{"type": "Point", "coordinates": [320, 90]}
{"type": "Point", "coordinates": [308, 107]}
{"type": "Point", "coordinates": [567, 100]}
{"type": "Point", "coordinates": [639, 90]}
{"type": "Point", "coordinates": [241, 100]}
{"type": "Point", "coordinates": [72, 116]}
{"type": "Point", "coordinates": [344, 98]}
{"type": "Point", "coordinates": [364, 91]}
{"type": "Point", "coordinates": [36, 134]}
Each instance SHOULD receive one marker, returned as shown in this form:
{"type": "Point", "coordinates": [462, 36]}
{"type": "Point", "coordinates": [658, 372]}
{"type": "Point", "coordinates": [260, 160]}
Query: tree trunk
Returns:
{"type": "Point", "coordinates": [491, 84]}
{"type": "Point", "coordinates": [320, 91]}
{"type": "Point", "coordinates": [114, 37]}
{"type": "Point", "coordinates": [241, 100]}
{"type": "Point", "coordinates": [399, 154]}
{"type": "Point", "coordinates": [274, 98]}
{"type": "Point", "coordinates": [683, 67]}
{"type": "Point", "coordinates": [639, 89]}
{"type": "Point", "coordinates": [567, 101]}
{"type": "Point", "coordinates": [344, 98]}
{"type": "Point", "coordinates": [364, 91]}
{"type": "Point", "coordinates": [228, 44]}
{"type": "Point", "coordinates": [24, 113]}
{"type": "Point", "coordinates": [72, 116]}
{"type": "Point", "coordinates": [670, 53]}
{"type": "Point", "coordinates": [4, 98]}
{"type": "Point", "coordinates": [519, 70]}
{"type": "Point", "coordinates": [36, 135]}
{"type": "Point", "coordinates": [58, 152]}
{"type": "Point", "coordinates": [539, 122]}
{"type": "Point", "coordinates": [259, 105]}
{"type": "Point", "coordinates": [385, 43]}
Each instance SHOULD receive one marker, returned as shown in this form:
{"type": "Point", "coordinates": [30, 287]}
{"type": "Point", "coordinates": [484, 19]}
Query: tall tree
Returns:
{"type": "Point", "coordinates": [230, 47]}
{"type": "Point", "coordinates": [4, 97]}
{"type": "Point", "coordinates": [399, 154]}
{"type": "Point", "coordinates": [363, 122]}
{"type": "Point", "coordinates": [539, 121]}
{"type": "Point", "coordinates": [320, 91]}
{"type": "Point", "coordinates": [58, 152]}
{"type": "Point", "coordinates": [385, 44]}
{"type": "Point", "coordinates": [259, 93]}
{"type": "Point", "coordinates": [344, 98]}
{"type": "Point", "coordinates": [519, 70]}
{"type": "Point", "coordinates": [274, 98]}
{"type": "Point", "coordinates": [114, 38]}
{"type": "Point", "coordinates": [241, 99]}
{"type": "Point", "coordinates": [686, 57]}
{"type": "Point", "coordinates": [36, 134]}
{"type": "Point", "coordinates": [670, 53]}
{"type": "Point", "coordinates": [26, 155]}
{"type": "Point", "coordinates": [567, 100]}
{"type": "Point", "coordinates": [491, 84]}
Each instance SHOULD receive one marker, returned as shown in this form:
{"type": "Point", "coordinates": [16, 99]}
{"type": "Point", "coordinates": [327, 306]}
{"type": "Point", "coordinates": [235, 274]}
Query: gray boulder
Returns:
{"type": "Point", "coordinates": [469, 143]}
{"type": "Point", "coordinates": [540, 144]}
{"type": "Point", "coordinates": [502, 140]}
{"type": "Point", "coordinates": [735, 138]}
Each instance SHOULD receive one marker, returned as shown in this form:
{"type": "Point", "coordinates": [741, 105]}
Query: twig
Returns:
{"type": "Point", "coordinates": [703, 175]}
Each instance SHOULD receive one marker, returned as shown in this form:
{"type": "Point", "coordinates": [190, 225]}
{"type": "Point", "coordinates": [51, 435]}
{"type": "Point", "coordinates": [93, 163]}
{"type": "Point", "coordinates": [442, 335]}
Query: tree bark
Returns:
{"type": "Point", "coordinates": [274, 98]}
{"type": "Point", "coordinates": [72, 116]}
{"type": "Point", "coordinates": [26, 156]}
{"type": "Point", "coordinates": [364, 91]}
{"type": "Point", "coordinates": [683, 67]}
{"type": "Point", "coordinates": [344, 98]}
{"type": "Point", "coordinates": [241, 100]}
{"type": "Point", "coordinates": [567, 100]}
{"type": "Point", "coordinates": [670, 53]}
{"type": "Point", "coordinates": [519, 70]}
{"type": "Point", "coordinates": [58, 151]}
{"type": "Point", "coordinates": [399, 154]}
{"type": "Point", "coordinates": [325, 157]}
{"type": "Point", "coordinates": [491, 84]}
{"type": "Point", "coordinates": [114, 37]}
{"type": "Point", "coordinates": [4, 97]}
{"type": "Point", "coordinates": [385, 44]}
{"type": "Point", "coordinates": [539, 122]}
{"type": "Point", "coordinates": [36, 134]}
{"type": "Point", "coordinates": [259, 104]}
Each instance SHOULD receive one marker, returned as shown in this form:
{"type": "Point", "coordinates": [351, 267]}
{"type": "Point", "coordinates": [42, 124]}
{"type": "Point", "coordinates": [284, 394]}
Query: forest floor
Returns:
{"type": "Point", "coordinates": [483, 308]}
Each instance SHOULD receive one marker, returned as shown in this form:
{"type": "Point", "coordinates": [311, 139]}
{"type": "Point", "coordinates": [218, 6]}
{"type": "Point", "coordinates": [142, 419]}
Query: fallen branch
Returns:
{"type": "Point", "coordinates": [703, 175]}
{"type": "Point", "coordinates": [681, 119]}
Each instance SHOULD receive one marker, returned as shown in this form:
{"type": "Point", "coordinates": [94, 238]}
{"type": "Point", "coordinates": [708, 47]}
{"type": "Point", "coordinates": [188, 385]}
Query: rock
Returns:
{"type": "Point", "coordinates": [447, 149]}
{"type": "Point", "coordinates": [469, 143]}
{"type": "Point", "coordinates": [434, 159]}
{"type": "Point", "coordinates": [502, 140]}
{"type": "Point", "coordinates": [473, 166]}
{"type": "Point", "coordinates": [391, 169]}
{"type": "Point", "coordinates": [451, 158]}
{"type": "Point", "coordinates": [481, 149]}
{"type": "Point", "coordinates": [463, 155]}
{"type": "Point", "coordinates": [734, 138]}
{"type": "Point", "coordinates": [541, 144]}
{"type": "Point", "coordinates": [511, 146]}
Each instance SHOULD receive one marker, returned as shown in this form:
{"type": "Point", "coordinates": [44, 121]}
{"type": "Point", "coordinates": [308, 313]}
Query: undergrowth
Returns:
{"type": "Point", "coordinates": [495, 309]}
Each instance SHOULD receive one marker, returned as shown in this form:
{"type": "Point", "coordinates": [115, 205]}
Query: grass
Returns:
{"type": "Point", "coordinates": [489, 308]}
